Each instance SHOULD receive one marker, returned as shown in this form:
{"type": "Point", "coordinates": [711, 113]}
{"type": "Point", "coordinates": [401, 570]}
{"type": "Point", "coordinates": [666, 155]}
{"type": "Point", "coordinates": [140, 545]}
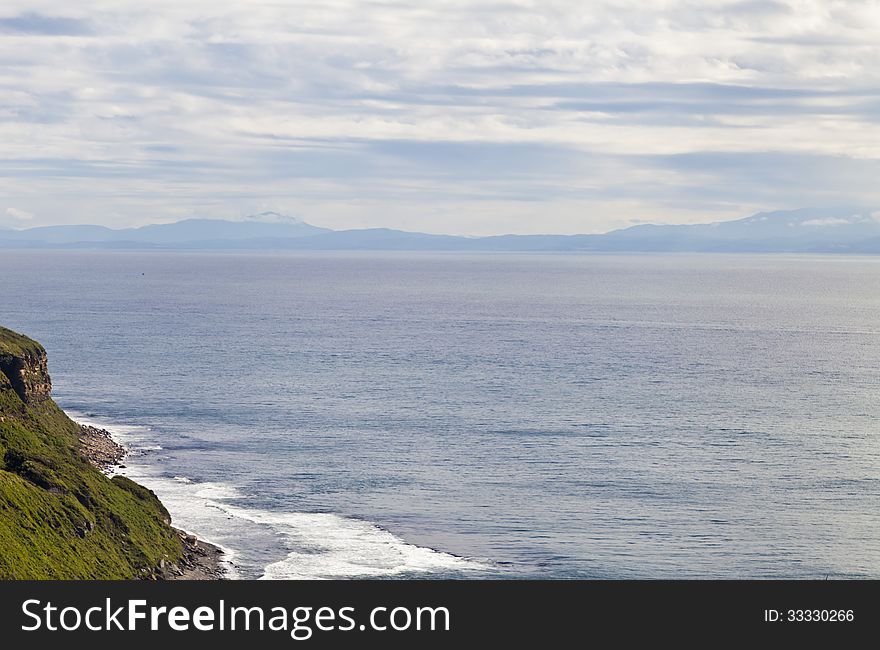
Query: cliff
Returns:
{"type": "Point", "coordinates": [60, 517]}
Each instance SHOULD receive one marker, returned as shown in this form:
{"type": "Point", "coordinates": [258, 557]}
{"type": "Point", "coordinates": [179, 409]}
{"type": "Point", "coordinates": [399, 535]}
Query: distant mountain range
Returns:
{"type": "Point", "coordinates": [843, 230]}
{"type": "Point", "coordinates": [190, 233]}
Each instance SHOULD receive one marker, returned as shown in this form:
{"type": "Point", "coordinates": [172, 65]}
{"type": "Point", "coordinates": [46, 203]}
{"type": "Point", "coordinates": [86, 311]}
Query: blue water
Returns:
{"type": "Point", "coordinates": [395, 415]}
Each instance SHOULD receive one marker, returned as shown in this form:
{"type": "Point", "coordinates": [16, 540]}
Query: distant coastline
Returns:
{"type": "Point", "coordinates": [847, 230]}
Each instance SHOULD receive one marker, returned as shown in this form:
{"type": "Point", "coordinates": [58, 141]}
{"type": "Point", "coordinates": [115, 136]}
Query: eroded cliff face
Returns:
{"type": "Point", "coordinates": [23, 366]}
{"type": "Point", "coordinates": [27, 374]}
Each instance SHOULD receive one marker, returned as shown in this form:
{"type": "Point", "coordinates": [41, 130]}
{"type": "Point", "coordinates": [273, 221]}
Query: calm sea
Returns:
{"type": "Point", "coordinates": [422, 415]}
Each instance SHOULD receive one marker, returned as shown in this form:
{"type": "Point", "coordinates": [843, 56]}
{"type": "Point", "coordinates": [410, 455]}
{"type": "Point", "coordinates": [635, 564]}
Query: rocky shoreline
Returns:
{"type": "Point", "coordinates": [200, 560]}
{"type": "Point", "coordinates": [99, 448]}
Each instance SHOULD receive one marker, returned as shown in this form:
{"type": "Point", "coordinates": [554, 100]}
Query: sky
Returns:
{"type": "Point", "coordinates": [458, 116]}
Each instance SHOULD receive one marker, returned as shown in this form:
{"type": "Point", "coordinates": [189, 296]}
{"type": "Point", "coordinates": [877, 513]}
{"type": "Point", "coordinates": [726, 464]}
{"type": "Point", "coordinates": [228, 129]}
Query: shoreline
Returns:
{"type": "Point", "coordinates": [339, 546]}
{"type": "Point", "coordinates": [201, 560]}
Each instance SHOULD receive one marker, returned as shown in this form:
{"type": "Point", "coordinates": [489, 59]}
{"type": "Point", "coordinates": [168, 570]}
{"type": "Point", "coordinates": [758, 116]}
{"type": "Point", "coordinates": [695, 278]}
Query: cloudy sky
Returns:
{"type": "Point", "coordinates": [457, 116]}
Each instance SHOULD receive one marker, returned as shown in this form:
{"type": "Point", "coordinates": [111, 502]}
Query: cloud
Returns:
{"type": "Point", "coordinates": [35, 23]}
{"type": "Point", "coordinates": [830, 221]}
{"type": "Point", "coordinates": [16, 217]}
{"type": "Point", "coordinates": [459, 116]}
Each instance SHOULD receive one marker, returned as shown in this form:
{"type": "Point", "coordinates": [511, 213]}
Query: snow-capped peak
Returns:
{"type": "Point", "coordinates": [272, 217]}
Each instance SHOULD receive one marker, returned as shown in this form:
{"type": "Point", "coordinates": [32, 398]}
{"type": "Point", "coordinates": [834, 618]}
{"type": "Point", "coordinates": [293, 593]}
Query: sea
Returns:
{"type": "Point", "coordinates": [434, 415]}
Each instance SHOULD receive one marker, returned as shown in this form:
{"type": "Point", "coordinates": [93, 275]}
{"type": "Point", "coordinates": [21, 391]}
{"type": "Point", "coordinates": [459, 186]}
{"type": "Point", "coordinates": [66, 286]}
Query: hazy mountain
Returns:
{"type": "Point", "coordinates": [190, 233]}
{"type": "Point", "coordinates": [806, 230]}
{"type": "Point", "coordinates": [59, 234]}
{"type": "Point", "coordinates": [194, 230]}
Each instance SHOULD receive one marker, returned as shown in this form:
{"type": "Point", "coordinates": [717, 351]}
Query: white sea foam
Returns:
{"type": "Point", "coordinates": [329, 546]}
{"type": "Point", "coordinates": [310, 545]}
{"type": "Point", "coordinates": [132, 433]}
{"type": "Point", "coordinates": [188, 510]}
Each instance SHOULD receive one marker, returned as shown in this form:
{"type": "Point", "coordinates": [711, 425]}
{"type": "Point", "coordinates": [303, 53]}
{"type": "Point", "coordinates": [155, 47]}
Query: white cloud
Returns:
{"type": "Point", "coordinates": [523, 115]}
{"type": "Point", "coordinates": [22, 215]}
{"type": "Point", "coordinates": [16, 217]}
{"type": "Point", "coordinates": [830, 221]}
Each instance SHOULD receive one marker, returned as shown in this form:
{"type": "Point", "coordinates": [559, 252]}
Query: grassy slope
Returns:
{"type": "Point", "coordinates": [59, 516]}
{"type": "Point", "coordinates": [16, 345]}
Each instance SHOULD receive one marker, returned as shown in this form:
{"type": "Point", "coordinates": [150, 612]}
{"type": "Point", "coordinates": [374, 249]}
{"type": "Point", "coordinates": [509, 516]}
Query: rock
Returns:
{"type": "Point", "coordinates": [98, 447]}
{"type": "Point", "coordinates": [25, 369]}
{"type": "Point", "coordinates": [200, 561]}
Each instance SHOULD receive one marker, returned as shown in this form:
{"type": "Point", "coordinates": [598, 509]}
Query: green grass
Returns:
{"type": "Point", "coordinates": [14, 344]}
{"type": "Point", "coordinates": [59, 516]}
